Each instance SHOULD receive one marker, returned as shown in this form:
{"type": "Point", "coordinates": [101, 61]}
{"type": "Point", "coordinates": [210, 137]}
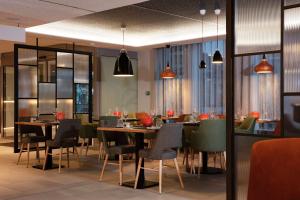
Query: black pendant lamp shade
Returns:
{"type": "Point", "coordinates": [202, 65]}
{"type": "Point", "coordinates": [123, 66]}
{"type": "Point", "coordinates": [217, 58]}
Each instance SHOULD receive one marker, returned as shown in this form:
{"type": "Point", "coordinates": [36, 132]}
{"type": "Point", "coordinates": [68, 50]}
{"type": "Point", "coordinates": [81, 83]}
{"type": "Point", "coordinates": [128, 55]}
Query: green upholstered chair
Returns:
{"type": "Point", "coordinates": [209, 137]}
{"type": "Point", "coordinates": [247, 126]}
{"type": "Point", "coordinates": [87, 133]}
{"type": "Point", "coordinates": [186, 141]}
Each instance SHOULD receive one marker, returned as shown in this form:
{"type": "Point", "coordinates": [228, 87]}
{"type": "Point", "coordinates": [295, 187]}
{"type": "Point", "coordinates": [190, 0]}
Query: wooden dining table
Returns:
{"type": "Point", "coordinates": [48, 134]}
{"type": "Point", "coordinates": [139, 144]}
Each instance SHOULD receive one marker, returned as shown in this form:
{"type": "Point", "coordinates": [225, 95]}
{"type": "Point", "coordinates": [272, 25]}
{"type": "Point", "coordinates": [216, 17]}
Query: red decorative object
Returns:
{"type": "Point", "coordinates": [221, 116]}
{"type": "Point", "coordinates": [170, 113]}
{"type": "Point", "coordinates": [203, 116]}
{"type": "Point", "coordinates": [60, 116]}
{"type": "Point", "coordinates": [255, 115]}
{"type": "Point", "coordinates": [147, 121]}
{"type": "Point", "coordinates": [117, 113]}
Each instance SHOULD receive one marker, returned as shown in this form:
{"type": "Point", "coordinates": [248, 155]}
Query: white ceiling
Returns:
{"type": "Point", "coordinates": [148, 23]}
{"type": "Point", "coordinates": [35, 12]}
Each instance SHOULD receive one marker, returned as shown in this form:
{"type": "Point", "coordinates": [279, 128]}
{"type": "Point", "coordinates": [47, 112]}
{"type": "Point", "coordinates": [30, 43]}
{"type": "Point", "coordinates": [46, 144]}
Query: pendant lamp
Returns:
{"type": "Point", "coordinates": [217, 58]}
{"type": "Point", "coordinates": [168, 73]}
{"type": "Point", "coordinates": [123, 66]}
{"type": "Point", "coordinates": [202, 62]}
{"type": "Point", "coordinates": [264, 67]}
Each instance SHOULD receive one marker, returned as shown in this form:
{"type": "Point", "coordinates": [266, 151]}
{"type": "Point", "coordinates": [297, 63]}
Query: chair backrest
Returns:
{"type": "Point", "coordinates": [109, 136]}
{"type": "Point", "coordinates": [68, 130]}
{"type": "Point", "coordinates": [108, 121]}
{"type": "Point", "coordinates": [168, 137]}
{"type": "Point", "coordinates": [210, 136]}
{"type": "Point", "coordinates": [248, 124]}
{"type": "Point", "coordinates": [274, 170]}
{"type": "Point", "coordinates": [28, 129]}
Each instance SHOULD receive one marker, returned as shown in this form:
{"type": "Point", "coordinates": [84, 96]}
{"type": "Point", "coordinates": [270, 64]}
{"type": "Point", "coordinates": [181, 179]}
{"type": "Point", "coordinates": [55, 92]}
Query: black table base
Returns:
{"type": "Point", "coordinates": [53, 166]}
{"type": "Point", "coordinates": [207, 170]}
{"type": "Point", "coordinates": [146, 184]}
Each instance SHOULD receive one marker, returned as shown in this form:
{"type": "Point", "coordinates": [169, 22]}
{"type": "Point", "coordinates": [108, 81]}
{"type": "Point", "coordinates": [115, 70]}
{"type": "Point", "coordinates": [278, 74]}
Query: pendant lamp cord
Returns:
{"type": "Point", "coordinates": [217, 32]}
{"type": "Point", "coordinates": [123, 37]}
{"type": "Point", "coordinates": [202, 38]}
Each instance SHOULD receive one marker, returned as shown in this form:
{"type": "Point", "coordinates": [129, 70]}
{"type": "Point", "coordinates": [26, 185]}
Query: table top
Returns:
{"type": "Point", "coordinates": [128, 130]}
{"type": "Point", "coordinates": [38, 123]}
{"type": "Point", "coordinates": [259, 121]}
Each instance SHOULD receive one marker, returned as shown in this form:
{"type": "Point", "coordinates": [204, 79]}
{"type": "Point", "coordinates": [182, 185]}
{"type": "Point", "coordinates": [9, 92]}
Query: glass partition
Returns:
{"type": "Point", "coordinates": [64, 83]}
{"type": "Point", "coordinates": [51, 81]}
{"type": "Point", "coordinates": [257, 93]}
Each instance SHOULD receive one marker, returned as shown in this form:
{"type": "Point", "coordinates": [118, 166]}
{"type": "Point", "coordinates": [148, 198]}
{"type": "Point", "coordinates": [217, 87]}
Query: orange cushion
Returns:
{"type": "Point", "coordinates": [275, 170]}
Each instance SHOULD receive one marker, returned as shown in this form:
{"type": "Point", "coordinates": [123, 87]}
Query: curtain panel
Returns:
{"type": "Point", "coordinates": [193, 89]}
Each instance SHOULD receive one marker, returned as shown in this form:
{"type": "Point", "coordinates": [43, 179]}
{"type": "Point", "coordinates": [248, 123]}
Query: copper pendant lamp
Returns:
{"type": "Point", "coordinates": [168, 73]}
{"type": "Point", "coordinates": [264, 67]}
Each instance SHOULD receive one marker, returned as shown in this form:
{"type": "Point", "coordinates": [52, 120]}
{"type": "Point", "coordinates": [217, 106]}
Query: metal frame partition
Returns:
{"type": "Point", "coordinates": [234, 140]}
{"type": "Point", "coordinates": [45, 101]}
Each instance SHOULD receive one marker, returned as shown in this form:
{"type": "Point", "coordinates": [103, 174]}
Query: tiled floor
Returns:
{"type": "Point", "coordinates": [80, 182]}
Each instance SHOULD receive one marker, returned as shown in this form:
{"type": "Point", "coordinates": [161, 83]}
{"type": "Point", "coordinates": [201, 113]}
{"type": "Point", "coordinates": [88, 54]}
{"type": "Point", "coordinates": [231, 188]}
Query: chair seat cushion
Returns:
{"type": "Point", "coordinates": [164, 155]}
{"type": "Point", "coordinates": [65, 143]}
{"type": "Point", "coordinates": [33, 139]}
{"type": "Point", "coordinates": [121, 149]}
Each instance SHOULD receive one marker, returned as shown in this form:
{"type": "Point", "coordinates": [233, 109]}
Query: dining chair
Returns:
{"type": "Point", "coordinates": [274, 170]}
{"type": "Point", "coordinates": [168, 140]}
{"type": "Point", "coordinates": [209, 137]}
{"type": "Point", "coordinates": [247, 126]}
{"type": "Point", "coordinates": [121, 145]}
{"type": "Point", "coordinates": [30, 135]}
{"type": "Point", "coordinates": [86, 133]}
{"type": "Point", "coordinates": [66, 137]}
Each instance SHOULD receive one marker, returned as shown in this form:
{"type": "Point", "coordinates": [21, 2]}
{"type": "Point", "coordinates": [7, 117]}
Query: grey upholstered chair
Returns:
{"type": "Point", "coordinates": [121, 145]}
{"type": "Point", "coordinates": [168, 140]}
{"type": "Point", "coordinates": [30, 135]}
{"type": "Point", "coordinates": [66, 137]}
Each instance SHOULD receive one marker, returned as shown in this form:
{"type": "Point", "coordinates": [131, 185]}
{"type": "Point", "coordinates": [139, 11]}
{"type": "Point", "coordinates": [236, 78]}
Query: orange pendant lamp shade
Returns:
{"type": "Point", "coordinates": [264, 67]}
{"type": "Point", "coordinates": [168, 73]}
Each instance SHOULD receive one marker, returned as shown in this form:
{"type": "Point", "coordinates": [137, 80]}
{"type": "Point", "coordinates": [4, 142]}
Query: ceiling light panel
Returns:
{"type": "Point", "coordinates": [145, 26]}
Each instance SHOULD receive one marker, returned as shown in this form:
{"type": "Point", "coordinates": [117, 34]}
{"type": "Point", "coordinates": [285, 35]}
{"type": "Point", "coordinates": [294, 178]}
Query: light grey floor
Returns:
{"type": "Point", "coordinates": [81, 182]}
